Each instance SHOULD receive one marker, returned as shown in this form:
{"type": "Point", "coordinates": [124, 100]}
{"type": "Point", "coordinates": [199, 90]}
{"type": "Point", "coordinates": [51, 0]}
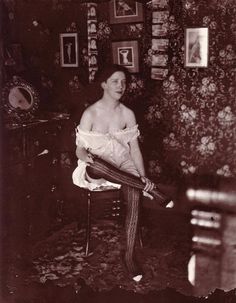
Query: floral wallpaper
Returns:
{"type": "Point", "coordinates": [191, 124]}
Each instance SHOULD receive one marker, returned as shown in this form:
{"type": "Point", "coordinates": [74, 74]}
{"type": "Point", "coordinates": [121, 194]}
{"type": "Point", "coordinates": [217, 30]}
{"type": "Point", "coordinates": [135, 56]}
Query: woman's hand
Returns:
{"type": "Point", "coordinates": [149, 185]}
{"type": "Point", "coordinates": [89, 158]}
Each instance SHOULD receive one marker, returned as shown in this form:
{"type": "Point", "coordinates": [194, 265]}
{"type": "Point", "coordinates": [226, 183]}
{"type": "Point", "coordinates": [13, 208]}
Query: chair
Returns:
{"type": "Point", "coordinates": [112, 209]}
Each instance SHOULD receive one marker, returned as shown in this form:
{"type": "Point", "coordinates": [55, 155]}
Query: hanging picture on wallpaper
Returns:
{"type": "Point", "coordinates": [159, 60]}
{"type": "Point", "coordinates": [69, 49]}
{"type": "Point", "coordinates": [125, 53]}
{"type": "Point", "coordinates": [92, 27]}
{"type": "Point", "coordinates": [160, 30]}
{"type": "Point", "coordinates": [92, 10]}
{"type": "Point", "coordinates": [160, 16]}
{"type": "Point", "coordinates": [160, 45]}
{"type": "Point", "coordinates": [196, 47]}
{"type": "Point", "coordinates": [159, 73]}
{"type": "Point", "coordinates": [160, 4]}
{"type": "Point", "coordinates": [123, 11]}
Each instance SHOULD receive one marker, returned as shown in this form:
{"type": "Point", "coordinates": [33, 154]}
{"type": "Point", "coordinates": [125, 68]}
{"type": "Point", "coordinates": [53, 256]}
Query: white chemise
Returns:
{"type": "Point", "coordinates": [112, 147]}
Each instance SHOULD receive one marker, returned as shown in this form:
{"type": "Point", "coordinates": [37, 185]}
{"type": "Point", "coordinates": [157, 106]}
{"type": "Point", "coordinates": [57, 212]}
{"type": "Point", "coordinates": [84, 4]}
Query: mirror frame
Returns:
{"type": "Point", "coordinates": [16, 113]}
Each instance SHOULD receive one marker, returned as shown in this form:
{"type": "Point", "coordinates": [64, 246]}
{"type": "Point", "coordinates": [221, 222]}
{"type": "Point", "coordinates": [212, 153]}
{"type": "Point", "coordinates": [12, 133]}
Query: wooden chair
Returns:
{"type": "Point", "coordinates": [105, 204]}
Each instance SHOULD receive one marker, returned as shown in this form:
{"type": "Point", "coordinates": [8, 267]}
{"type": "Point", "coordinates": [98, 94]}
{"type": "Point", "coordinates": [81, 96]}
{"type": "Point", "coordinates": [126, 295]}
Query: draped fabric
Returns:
{"type": "Point", "coordinates": [112, 147]}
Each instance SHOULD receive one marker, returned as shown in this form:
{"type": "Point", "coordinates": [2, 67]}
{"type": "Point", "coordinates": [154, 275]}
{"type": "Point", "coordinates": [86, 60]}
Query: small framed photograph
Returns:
{"type": "Point", "coordinates": [126, 53]}
{"type": "Point", "coordinates": [69, 49]}
{"type": "Point", "coordinates": [158, 73]}
{"type": "Point", "coordinates": [196, 47]}
{"type": "Point", "coordinates": [160, 30]}
{"type": "Point", "coordinates": [92, 10]}
{"type": "Point", "coordinates": [160, 4]}
{"type": "Point", "coordinates": [92, 27]}
{"type": "Point", "coordinates": [159, 60]}
{"type": "Point", "coordinates": [160, 45]}
{"type": "Point", "coordinates": [125, 11]}
{"type": "Point", "coordinates": [160, 16]}
{"type": "Point", "coordinates": [92, 43]}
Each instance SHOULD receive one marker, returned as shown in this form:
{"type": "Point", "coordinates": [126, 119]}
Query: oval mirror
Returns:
{"type": "Point", "coordinates": [20, 99]}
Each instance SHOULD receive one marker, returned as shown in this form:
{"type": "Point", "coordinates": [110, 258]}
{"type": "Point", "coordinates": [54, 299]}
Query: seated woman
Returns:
{"type": "Point", "coordinates": [109, 153]}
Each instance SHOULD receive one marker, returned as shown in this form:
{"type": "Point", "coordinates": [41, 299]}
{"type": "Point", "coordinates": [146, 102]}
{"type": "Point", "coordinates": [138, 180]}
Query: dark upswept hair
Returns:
{"type": "Point", "coordinates": [106, 72]}
{"type": "Point", "coordinates": [94, 90]}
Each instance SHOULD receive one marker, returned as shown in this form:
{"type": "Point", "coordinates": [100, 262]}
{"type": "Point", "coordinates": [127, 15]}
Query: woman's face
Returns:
{"type": "Point", "coordinates": [115, 85]}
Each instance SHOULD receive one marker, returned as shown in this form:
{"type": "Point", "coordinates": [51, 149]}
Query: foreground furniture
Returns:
{"type": "Point", "coordinates": [104, 204]}
{"type": "Point", "coordinates": [213, 217]}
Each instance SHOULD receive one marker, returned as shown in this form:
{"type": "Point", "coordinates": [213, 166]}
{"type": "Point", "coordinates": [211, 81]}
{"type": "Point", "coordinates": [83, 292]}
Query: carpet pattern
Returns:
{"type": "Point", "coordinates": [61, 259]}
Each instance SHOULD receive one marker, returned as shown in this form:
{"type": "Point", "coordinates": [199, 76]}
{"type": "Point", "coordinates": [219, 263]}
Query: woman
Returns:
{"type": "Point", "coordinates": [109, 153]}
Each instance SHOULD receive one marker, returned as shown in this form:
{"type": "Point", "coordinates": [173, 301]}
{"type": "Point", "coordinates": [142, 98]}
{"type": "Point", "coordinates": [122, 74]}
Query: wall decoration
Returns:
{"type": "Point", "coordinates": [159, 30]}
{"type": "Point", "coordinates": [196, 47]}
{"type": "Point", "coordinates": [92, 10]}
{"type": "Point", "coordinates": [159, 59]}
{"type": "Point", "coordinates": [160, 16]}
{"type": "Point", "coordinates": [159, 4]}
{"type": "Point", "coordinates": [160, 40]}
{"type": "Point", "coordinates": [160, 45]}
{"type": "Point", "coordinates": [159, 73]}
{"type": "Point", "coordinates": [20, 99]}
{"type": "Point", "coordinates": [126, 53]}
{"type": "Point", "coordinates": [69, 49]}
{"type": "Point", "coordinates": [125, 11]}
{"type": "Point", "coordinates": [92, 27]}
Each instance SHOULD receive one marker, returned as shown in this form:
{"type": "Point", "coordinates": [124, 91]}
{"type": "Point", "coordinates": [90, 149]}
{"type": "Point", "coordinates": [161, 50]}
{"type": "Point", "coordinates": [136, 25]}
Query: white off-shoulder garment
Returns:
{"type": "Point", "coordinates": [112, 147]}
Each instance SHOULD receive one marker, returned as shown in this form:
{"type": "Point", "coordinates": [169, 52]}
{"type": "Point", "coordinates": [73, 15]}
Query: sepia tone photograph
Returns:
{"type": "Point", "coordinates": [118, 175]}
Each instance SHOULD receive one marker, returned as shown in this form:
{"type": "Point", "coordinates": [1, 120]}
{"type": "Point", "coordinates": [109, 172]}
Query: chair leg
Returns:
{"type": "Point", "coordinates": [88, 226]}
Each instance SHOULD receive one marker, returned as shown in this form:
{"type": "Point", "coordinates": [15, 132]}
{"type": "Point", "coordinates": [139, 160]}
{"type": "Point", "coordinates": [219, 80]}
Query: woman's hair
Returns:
{"type": "Point", "coordinates": [95, 91]}
{"type": "Point", "coordinates": [108, 71]}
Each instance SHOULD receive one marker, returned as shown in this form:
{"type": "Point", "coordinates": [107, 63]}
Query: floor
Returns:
{"type": "Point", "coordinates": [56, 269]}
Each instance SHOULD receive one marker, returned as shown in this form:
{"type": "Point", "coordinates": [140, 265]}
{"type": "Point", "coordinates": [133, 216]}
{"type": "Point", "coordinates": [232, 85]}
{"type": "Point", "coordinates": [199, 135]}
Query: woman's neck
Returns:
{"type": "Point", "coordinates": [110, 102]}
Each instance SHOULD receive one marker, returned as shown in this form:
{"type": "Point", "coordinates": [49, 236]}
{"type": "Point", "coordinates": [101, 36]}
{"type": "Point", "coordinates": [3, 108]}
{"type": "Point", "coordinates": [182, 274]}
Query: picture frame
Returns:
{"type": "Point", "coordinates": [126, 53]}
{"type": "Point", "coordinates": [158, 73]}
{"type": "Point", "coordinates": [160, 30]}
{"type": "Point", "coordinates": [125, 11]}
{"type": "Point", "coordinates": [69, 50]}
{"type": "Point", "coordinates": [160, 45]}
{"type": "Point", "coordinates": [196, 47]}
{"type": "Point", "coordinates": [159, 59]}
{"type": "Point", "coordinates": [160, 4]}
{"type": "Point", "coordinates": [160, 17]}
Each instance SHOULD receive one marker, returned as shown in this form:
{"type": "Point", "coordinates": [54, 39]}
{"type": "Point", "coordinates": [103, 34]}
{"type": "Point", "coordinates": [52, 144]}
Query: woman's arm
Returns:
{"type": "Point", "coordinates": [86, 125]}
{"type": "Point", "coordinates": [136, 154]}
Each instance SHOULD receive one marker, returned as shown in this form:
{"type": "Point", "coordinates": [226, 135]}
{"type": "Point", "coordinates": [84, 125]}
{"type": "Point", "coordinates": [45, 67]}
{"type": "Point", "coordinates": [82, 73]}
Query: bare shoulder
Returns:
{"type": "Point", "coordinates": [87, 118]}
{"type": "Point", "coordinates": [129, 116]}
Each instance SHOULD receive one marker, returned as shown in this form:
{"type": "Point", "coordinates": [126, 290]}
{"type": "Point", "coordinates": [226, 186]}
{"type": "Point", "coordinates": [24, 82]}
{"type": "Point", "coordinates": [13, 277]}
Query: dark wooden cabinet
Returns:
{"type": "Point", "coordinates": [32, 198]}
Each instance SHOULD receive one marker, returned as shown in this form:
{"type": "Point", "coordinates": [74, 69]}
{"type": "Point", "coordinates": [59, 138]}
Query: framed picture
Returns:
{"type": "Point", "coordinates": [69, 49]}
{"type": "Point", "coordinates": [160, 45]}
{"type": "Point", "coordinates": [160, 4]}
{"type": "Point", "coordinates": [126, 53]}
{"type": "Point", "coordinates": [160, 30]}
{"type": "Point", "coordinates": [92, 10]}
{"type": "Point", "coordinates": [125, 11]}
{"type": "Point", "coordinates": [158, 73]}
{"type": "Point", "coordinates": [196, 47]}
{"type": "Point", "coordinates": [160, 16]}
{"type": "Point", "coordinates": [159, 60]}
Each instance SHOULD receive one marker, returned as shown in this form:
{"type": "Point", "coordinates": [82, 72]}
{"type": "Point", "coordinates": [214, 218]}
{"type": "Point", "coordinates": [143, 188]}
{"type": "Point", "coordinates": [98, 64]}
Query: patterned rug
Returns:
{"type": "Point", "coordinates": [61, 259]}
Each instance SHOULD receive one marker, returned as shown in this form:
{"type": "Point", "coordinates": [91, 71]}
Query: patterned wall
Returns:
{"type": "Point", "coordinates": [193, 118]}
